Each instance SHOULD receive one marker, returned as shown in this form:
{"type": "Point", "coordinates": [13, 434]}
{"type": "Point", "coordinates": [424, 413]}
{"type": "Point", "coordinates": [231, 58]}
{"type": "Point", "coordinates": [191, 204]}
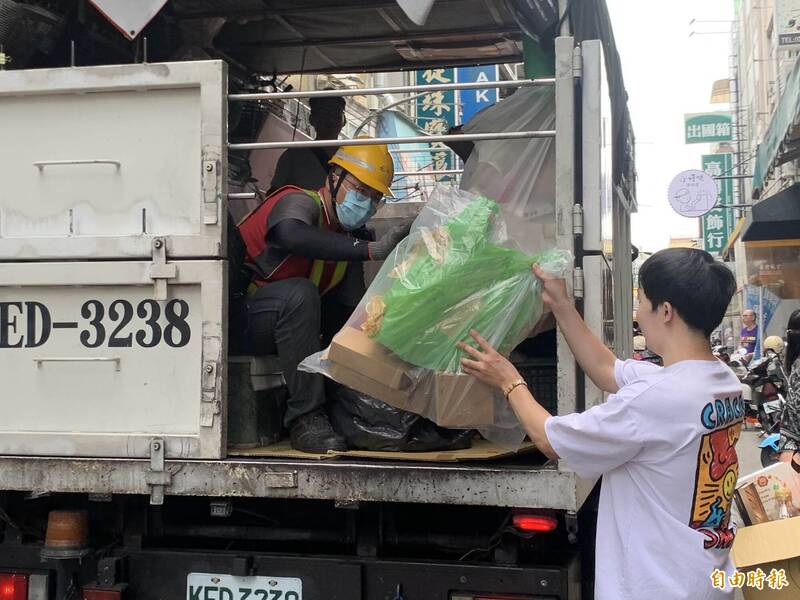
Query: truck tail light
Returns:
{"type": "Point", "coordinates": [13, 586]}
{"type": "Point", "coordinates": [101, 594]}
{"type": "Point", "coordinates": [531, 523]}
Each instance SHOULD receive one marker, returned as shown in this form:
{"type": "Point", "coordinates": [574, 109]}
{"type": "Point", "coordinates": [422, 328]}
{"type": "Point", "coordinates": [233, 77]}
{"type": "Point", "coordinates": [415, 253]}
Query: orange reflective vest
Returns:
{"type": "Point", "coordinates": [325, 274]}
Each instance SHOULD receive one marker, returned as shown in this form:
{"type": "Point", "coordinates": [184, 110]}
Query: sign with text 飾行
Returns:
{"type": "Point", "coordinates": [718, 223]}
{"type": "Point", "coordinates": [703, 128]}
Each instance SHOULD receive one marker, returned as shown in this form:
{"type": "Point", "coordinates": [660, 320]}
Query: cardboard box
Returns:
{"type": "Point", "coordinates": [355, 350]}
{"type": "Point", "coordinates": [768, 494]}
{"type": "Point", "coordinates": [456, 401]}
{"type": "Point", "coordinates": [771, 545]}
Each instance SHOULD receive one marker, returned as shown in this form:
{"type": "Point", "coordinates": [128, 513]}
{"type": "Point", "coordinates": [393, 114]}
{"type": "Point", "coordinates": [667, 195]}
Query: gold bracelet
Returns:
{"type": "Point", "coordinates": [512, 386]}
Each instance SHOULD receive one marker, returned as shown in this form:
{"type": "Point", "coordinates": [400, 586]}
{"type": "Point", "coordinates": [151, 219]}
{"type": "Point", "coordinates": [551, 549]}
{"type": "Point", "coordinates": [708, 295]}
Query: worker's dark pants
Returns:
{"type": "Point", "coordinates": [288, 318]}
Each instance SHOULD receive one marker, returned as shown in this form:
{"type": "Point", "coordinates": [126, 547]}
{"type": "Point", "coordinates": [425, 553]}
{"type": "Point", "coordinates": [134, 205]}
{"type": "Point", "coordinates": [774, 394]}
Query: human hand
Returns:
{"type": "Point", "coordinates": [383, 247]}
{"type": "Point", "coordinates": [554, 293]}
{"type": "Point", "coordinates": [487, 364]}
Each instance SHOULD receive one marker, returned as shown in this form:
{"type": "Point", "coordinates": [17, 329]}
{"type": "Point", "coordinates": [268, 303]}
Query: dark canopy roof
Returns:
{"type": "Point", "coordinates": [287, 36]}
{"type": "Point", "coordinates": [776, 217]}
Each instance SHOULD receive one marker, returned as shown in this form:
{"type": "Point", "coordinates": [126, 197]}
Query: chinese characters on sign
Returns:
{"type": "Point", "coordinates": [436, 114]}
{"type": "Point", "coordinates": [758, 579]}
{"type": "Point", "coordinates": [718, 224]}
{"type": "Point", "coordinates": [692, 193]}
{"type": "Point", "coordinates": [702, 128]}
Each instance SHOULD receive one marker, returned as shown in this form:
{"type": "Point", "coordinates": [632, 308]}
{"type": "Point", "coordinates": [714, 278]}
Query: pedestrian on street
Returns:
{"type": "Point", "coordinates": [664, 440]}
{"type": "Point", "coordinates": [749, 334]}
{"type": "Point", "coordinates": [790, 418]}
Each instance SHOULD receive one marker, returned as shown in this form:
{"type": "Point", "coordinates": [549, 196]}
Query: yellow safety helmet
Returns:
{"type": "Point", "coordinates": [774, 343]}
{"type": "Point", "coordinates": [371, 165]}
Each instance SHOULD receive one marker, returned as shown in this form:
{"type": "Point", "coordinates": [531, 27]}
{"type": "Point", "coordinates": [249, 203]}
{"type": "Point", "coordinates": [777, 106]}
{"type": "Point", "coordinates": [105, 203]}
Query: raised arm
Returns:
{"type": "Point", "coordinates": [596, 360]}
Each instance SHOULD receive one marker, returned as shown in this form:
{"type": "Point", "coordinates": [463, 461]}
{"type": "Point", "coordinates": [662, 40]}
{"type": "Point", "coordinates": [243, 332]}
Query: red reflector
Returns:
{"type": "Point", "coordinates": [97, 594]}
{"type": "Point", "coordinates": [534, 523]}
{"type": "Point", "coordinates": [13, 587]}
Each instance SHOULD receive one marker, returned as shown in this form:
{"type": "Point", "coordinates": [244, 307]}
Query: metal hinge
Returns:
{"type": "Point", "coordinates": [577, 282]}
{"type": "Point", "coordinates": [577, 219]}
{"type": "Point", "coordinates": [577, 63]}
{"type": "Point", "coordinates": [157, 477]}
{"type": "Point", "coordinates": [160, 271]}
{"type": "Point", "coordinates": [210, 192]}
{"type": "Point", "coordinates": [210, 406]}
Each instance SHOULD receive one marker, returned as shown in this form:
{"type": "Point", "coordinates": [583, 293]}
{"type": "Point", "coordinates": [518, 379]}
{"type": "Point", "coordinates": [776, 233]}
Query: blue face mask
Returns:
{"type": "Point", "coordinates": [355, 210]}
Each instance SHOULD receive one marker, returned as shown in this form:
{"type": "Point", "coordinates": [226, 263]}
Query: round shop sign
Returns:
{"type": "Point", "coordinates": [693, 193]}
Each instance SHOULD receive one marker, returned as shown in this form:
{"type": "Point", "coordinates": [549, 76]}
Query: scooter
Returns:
{"type": "Point", "coordinates": [770, 449]}
{"type": "Point", "coordinates": [768, 384]}
{"type": "Point", "coordinates": [721, 352]}
{"type": "Point", "coordinates": [738, 364]}
{"type": "Point", "coordinates": [648, 356]}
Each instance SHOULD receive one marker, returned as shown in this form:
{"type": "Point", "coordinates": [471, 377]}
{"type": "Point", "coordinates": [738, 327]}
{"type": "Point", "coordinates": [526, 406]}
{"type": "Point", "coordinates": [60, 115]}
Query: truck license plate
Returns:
{"type": "Point", "coordinates": [117, 323]}
{"type": "Point", "coordinates": [206, 586]}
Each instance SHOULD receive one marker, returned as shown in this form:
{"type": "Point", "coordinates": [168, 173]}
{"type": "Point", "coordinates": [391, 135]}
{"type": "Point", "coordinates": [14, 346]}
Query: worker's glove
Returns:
{"type": "Point", "coordinates": [383, 247]}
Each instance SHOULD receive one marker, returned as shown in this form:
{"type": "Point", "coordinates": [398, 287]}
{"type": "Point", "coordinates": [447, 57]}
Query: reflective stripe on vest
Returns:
{"type": "Point", "coordinates": [324, 274]}
{"type": "Point", "coordinates": [318, 269]}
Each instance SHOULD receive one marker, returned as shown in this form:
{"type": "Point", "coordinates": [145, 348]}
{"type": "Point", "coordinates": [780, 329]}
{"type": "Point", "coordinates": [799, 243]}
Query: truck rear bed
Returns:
{"type": "Point", "coordinates": [519, 482]}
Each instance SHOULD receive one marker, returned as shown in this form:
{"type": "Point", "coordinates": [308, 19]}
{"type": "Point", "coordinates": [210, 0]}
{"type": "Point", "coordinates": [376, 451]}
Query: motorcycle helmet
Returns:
{"type": "Point", "coordinates": [774, 343]}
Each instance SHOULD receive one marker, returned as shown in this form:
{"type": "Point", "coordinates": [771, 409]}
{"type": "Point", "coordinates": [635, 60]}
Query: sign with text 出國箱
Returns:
{"type": "Point", "coordinates": [703, 128]}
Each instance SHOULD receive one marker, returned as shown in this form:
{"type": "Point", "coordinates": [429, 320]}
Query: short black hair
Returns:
{"type": "Point", "coordinates": [327, 103]}
{"type": "Point", "coordinates": [698, 287]}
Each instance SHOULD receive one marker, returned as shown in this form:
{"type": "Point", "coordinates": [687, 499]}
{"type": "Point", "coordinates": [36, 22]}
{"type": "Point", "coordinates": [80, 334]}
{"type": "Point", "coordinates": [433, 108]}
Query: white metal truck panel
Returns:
{"type": "Point", "coordinates": [94, 365]}
{"type": "Point", "coordinates": [597, 144]}
{"type": "Point", "coordinates": [596, 271]}
{"type": "Point", "coordinates": [105, 158]}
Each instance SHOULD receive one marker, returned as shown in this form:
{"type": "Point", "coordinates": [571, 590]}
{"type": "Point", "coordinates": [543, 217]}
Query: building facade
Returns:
{"type": "Point", "coordinates": [764, 95]}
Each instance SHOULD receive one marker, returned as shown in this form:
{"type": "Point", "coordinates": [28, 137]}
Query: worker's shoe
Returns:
{"type": "Point", "coordinates": [313, 433]}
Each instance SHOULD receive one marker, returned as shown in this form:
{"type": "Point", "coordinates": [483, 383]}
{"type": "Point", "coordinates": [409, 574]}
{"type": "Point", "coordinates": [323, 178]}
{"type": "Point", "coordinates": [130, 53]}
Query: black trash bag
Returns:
{"type": "Point", "coordinates": [369, 424]}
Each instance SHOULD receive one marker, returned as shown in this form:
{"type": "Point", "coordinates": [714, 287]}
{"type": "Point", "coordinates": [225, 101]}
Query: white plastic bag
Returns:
{"type": "Point", "coordinates": [518, 174]}
{"type": "Point", "coordinates": [457, 270]}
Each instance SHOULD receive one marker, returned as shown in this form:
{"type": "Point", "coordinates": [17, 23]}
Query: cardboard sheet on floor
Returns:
{"type": "Point", "coordinates": [481, 450]}
{"type": "Point", "coordinates": [281, 449]}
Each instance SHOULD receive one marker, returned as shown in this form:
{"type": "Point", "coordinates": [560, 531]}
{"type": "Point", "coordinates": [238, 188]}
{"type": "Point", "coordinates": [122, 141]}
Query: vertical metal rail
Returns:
{"type": "Point", "coordinates": [565, 200]}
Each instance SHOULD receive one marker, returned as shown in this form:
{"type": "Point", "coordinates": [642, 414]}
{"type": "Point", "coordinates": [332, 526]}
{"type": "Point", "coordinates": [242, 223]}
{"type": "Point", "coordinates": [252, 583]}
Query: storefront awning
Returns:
{"type": "Point", "coordinates": [775, 218]}
{"type": "Point", "coordinates": [737, 231]}
{"type": "Point", "coordinates": [782, 141]}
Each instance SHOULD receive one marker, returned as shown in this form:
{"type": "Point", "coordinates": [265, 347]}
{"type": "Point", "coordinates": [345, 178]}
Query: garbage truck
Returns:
{"type": "Point", "coordinates": [116, 480]}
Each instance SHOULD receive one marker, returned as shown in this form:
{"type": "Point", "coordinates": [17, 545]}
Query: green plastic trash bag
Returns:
{"type": "Point", "coordinates": [452, 279]}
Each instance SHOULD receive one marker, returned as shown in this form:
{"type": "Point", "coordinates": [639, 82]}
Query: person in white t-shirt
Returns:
{"type": "Point", "coordinates": [664, 441]}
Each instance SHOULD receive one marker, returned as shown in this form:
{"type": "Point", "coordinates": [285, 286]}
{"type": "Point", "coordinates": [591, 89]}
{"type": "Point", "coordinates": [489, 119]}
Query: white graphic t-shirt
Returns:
{"type": "Point", "coordinates": [665, 446]}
